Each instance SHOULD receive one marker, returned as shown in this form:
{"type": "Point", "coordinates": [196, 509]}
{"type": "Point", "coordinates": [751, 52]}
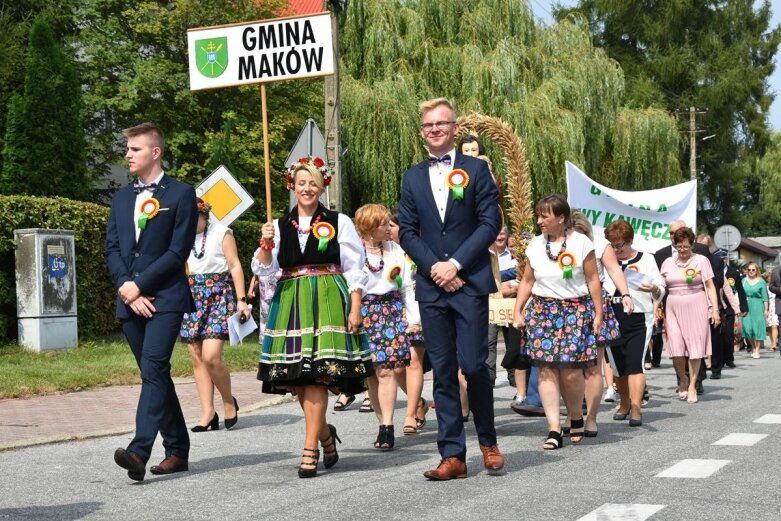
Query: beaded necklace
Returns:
{"type": "Point", "coordinates": [304, 231]}
{"type": "Point", "coordinates": [373, 269]}
{"type": "Point", "coordinates": [199, 255]}
{"type": "Point", "coordinates": [554, 258]}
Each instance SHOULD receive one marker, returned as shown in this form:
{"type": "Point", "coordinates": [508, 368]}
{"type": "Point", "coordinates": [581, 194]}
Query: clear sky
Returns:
{"type": "Point", "coordinates": [542, 9]}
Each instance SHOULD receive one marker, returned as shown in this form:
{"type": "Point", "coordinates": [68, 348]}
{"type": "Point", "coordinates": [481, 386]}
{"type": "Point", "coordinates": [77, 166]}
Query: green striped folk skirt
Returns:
{"type": "Point", "coordinates": [306, 341]}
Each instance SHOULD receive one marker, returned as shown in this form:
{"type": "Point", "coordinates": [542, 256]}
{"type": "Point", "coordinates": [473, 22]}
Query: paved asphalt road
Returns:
{"type": "Point", "coordinates": [250, 472]}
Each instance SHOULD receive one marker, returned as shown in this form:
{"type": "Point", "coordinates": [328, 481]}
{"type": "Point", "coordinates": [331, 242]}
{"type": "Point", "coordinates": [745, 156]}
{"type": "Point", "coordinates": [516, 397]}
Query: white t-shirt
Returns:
{"type": "Point", "coordinates": [213, 260]}
{"type": "Point", "coordinates": [600, 243]}
{"type": "Point", "coordinates": [548, 276]}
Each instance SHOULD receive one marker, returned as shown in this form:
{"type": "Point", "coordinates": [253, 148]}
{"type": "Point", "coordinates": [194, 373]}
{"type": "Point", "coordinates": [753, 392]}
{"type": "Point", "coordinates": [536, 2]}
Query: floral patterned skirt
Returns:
{"type": "Point", "coordinates": [560, 332]}
{"type": "Point", "coordinates": [609, 331]}
{"type": "Point", "coordinates": [214, 305]}
{"type": "Point", "coordinates": [306, 341]}
{"type": "Point", "coordinates": [386, 325]}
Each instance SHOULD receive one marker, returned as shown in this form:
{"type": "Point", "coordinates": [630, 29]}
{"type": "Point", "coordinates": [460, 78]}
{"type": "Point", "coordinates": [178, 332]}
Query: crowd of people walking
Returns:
{"type": "Point", "coordinates": [370, 304]}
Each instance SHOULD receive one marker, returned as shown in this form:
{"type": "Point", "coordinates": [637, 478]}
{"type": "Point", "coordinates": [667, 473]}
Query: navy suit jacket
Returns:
{"type": "Point", "coordinates": [156, 262]}
{"type": "Point", "coordinates": [470, 226]}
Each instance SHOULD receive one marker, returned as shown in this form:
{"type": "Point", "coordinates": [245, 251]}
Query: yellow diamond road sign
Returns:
{"type": "Point", "coordinates": [226, 195]}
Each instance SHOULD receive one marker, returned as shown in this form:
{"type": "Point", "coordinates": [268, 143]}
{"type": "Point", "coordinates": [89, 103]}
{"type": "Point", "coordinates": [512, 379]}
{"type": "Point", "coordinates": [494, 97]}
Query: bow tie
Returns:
{"type": "Point", "coordinates": [432, 160]}
{"type": "Point", "coordinates": [139, 187]}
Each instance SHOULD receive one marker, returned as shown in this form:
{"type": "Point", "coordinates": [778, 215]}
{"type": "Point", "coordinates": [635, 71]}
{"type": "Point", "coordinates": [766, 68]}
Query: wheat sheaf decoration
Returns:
{"type": "Point", "coordinates": [518, 185]}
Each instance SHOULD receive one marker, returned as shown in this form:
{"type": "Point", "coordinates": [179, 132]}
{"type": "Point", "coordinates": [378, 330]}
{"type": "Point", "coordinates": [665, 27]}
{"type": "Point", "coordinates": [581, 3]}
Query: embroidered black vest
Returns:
{"type": "Point", "coordinates": [290, 255]}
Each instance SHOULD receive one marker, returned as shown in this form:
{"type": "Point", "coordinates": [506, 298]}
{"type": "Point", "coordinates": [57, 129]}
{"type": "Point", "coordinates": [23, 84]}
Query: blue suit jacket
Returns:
{"type": "Point", "coordinates": [470, 226]}
{"type": "Point", "coordinates": [156, 262]}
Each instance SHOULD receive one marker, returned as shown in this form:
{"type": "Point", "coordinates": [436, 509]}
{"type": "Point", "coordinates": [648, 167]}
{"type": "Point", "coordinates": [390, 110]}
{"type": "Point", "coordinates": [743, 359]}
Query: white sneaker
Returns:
{"type": "Point", "coordinates": [610, 395]}
{"type": "Point", "coordinates": [518, 401]}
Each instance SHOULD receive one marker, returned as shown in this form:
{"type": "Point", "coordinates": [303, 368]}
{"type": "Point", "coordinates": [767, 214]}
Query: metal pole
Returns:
{"type": "Point", "coordinates": [692, 143]}
{"type": "Point", "coordinates": [333, 118]}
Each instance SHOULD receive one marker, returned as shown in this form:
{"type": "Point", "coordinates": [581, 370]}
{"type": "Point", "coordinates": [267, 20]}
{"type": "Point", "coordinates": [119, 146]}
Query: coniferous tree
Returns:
{"type": "Point", "coordinates": [43, 150]}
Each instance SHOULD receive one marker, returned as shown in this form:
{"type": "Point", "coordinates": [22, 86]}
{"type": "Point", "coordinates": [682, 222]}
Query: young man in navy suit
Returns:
{"type": "Point", "coordinates": [448, 216]}
{"type": "Point", "coordinates": [150, 232]}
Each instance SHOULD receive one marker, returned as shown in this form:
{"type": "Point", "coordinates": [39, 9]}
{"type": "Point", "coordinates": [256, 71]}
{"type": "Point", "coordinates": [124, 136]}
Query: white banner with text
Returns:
{"type": "Point", "coordinates": [650, 212]}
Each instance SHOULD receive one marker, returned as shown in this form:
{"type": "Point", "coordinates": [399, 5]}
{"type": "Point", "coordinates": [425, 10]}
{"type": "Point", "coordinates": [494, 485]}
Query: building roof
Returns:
{"type": "Point", "coordinates": [302, 7]}
{"type": "Point", "coordinates": [757, 247]}
{"type": "Point", "coordinates": [773, 241]}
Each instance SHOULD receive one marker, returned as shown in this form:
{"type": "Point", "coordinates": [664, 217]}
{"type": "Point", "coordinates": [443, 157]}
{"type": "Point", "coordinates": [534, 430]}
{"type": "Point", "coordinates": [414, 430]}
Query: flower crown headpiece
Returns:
{"type": "Point", "coordinates": [316, 162]}
{"type": "Point", "coordinates": [204, 207]}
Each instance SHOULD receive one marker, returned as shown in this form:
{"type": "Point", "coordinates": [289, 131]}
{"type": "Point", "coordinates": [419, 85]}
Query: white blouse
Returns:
{"type": "Point", "coordinates": [379, 283]}
{"type": "Point", "coordinates": [548, 276]}
{"type": "Point", "coordinates": [646, 264]}
{"type": "Point", "coordinates": [350, 251]}
{"type": "Point", "coordinates": [213, 260]}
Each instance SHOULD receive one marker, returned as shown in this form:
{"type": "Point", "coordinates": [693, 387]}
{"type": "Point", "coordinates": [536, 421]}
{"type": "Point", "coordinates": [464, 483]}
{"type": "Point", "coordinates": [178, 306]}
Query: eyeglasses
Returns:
{"type": "Point", "coordinates": [428, 127]}
{"type": "Point", "coordinates": [751, 270]}
{"type": "Point", "coordinates": [618, 245]}
{"type": "Point", "coordinates": [683, 246]}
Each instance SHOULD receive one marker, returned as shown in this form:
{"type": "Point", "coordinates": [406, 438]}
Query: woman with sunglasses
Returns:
{"type": "Point", "coordinates": [754, 323]}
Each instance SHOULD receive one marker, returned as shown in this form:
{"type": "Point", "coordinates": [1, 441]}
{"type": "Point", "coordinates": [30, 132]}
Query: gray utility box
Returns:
{"type": "Point", "coordinates": [46, 289]}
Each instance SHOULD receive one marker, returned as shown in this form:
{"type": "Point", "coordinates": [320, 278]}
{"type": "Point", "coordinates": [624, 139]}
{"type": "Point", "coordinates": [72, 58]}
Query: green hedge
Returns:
{"type": "Point", "coordinates": [95, 291]}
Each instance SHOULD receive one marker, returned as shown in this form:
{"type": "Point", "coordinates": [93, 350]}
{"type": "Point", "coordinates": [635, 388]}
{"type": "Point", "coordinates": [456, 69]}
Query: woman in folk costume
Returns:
{"type": "Point", "coordinates": [313, 341]}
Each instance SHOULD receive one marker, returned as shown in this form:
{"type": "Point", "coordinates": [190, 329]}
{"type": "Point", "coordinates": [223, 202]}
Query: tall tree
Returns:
{"type": "Point", "coordinates": [715, 56]}
{"type": "Point", "coordinates": [135, 63]}
{"type": "Point", "coordinates": [766, 213]}
{"type": "Point", "coordinates": [563, 96]}
{"type": "Point", "coordinates": [43, 152]}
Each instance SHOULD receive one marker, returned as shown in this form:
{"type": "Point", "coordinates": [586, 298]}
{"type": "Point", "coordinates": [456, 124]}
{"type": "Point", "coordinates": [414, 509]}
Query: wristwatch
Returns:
{"type": "Point", "coordinates": [242, 299]}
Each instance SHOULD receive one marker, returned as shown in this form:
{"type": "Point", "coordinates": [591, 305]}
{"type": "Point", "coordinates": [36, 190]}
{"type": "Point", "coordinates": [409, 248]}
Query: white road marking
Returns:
{"type": "Point", "coordinates": [619, 512]}
{"type": "Point", "coordinates": [742, 439]}
{"type": "Point", "coordinates": [693, 468]}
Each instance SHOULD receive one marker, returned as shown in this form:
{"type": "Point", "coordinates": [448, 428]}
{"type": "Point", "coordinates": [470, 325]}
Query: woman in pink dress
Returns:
{"type": "Point", "coordinates": [689, 310]}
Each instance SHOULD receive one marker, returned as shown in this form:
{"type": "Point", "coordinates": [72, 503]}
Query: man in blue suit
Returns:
{"type": "Point", "coordinates": [448, 216]}
{"type": "Point", "coordinates": [150, 232]}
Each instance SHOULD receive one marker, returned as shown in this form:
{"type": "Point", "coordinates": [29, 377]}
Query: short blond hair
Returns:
{"type": "Point", "coordinates": [317, 176]}
{"type": "Point", "coordinates": [369, 217]}
{"type": "Point", "coordinates": [431, 104]}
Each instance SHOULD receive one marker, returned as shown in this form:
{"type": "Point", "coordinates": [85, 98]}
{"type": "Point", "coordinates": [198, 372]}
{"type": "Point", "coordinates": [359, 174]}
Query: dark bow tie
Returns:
{"type": "Point", "coordinates": [139, 187]}
{"type": "Point", "coordinates": [432, 160]}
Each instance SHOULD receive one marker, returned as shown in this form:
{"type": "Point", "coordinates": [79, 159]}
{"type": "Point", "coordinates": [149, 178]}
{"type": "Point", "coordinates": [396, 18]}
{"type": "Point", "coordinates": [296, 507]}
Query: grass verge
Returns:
{"type": "Point", "coordinates": [95, 363]}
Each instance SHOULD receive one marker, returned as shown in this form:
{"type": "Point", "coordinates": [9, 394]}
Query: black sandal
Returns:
{"type": "Point", "coordinates": [330, 457]}
{"type": "Point", "coordinates": [576, 437]}
{"type": "Point", "coordinates": [366, 405]}
{"type": "Point", "coordinates": [312, 455]}
{"type": "Point", "coordinates": [385, 438]}
{"type": "Point", "coordinates": [421, 422]}
{"type": "Point", "coordinates": [339, 405]}
{"type": "Point", "coordinates": [553, 441]}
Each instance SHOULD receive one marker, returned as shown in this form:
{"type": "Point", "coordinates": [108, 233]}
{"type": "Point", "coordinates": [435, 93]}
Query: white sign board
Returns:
{"type": "Point", "coordinates": [226, 195]}
{"type": "Point", "coordinates": [650, 212]}
{"type": "Point", "coordinates": [259, 52]}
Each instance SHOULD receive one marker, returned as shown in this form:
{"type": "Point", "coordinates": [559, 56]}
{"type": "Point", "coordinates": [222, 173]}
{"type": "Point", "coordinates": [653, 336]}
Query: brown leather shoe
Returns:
{"type": "Point", "coordinates": [492, 458]}
{"type": "Point", "coordinates": [448, 468]}
{"type": "Point", "coordinates": [132, 462]}
{"type": "Point", "coordinates": [169, 465]}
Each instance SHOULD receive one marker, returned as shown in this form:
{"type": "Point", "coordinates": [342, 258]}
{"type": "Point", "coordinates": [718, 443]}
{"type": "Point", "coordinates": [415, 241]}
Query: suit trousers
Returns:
{"type": "Point", "coordinates": [721, 344]}
{"type": "Point", "coordinates": [152, 342]}
{"type": "Point", "coordinates": [456, 327]}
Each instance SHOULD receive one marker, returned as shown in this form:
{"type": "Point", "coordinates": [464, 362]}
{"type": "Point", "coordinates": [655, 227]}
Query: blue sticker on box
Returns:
{"type": "Point", "coordinates": [58, 266]}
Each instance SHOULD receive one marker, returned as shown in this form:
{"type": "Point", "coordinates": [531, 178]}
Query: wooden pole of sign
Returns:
{"type": "Point", "coordinates": [266, 156]}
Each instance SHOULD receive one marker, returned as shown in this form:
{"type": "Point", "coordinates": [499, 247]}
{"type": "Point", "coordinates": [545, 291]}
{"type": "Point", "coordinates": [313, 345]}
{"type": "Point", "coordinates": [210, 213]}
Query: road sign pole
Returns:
{"type": "Point", "coordinates": [266, 156]}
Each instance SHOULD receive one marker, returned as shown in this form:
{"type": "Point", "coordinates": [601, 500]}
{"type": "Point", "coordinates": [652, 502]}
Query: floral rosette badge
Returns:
{"type": "Point", "coordinates": [323, 232]}
{"type": "Point", "coordinates": [731, 282]}
{"type": "Point", "coordinates": [457, 181]}
{"type": "Point", "coordinates": [689, 273]}
{"type": "Point", "coordinates": [566, 263]}
{"type": "Point", "coordinates": [149, 209]}
{"type": "Point", "coordinates": [394, 275]}
{"type": "Point", "coordinates": [633, 267]}
{"type": "Point", "coordinates": [412, 264]}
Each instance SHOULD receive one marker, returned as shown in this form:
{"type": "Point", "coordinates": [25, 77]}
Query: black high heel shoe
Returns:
{"type": "Point", "coordinates": [214, 425]}
{"type": "Point", "coordinates": [309, 454]}
{"type": "Point", "coordinates": [230, 422]}
{"type": "Point", "coordinates": [330, 457]}
{"type": "Point", "coordinates": [385, 438]}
